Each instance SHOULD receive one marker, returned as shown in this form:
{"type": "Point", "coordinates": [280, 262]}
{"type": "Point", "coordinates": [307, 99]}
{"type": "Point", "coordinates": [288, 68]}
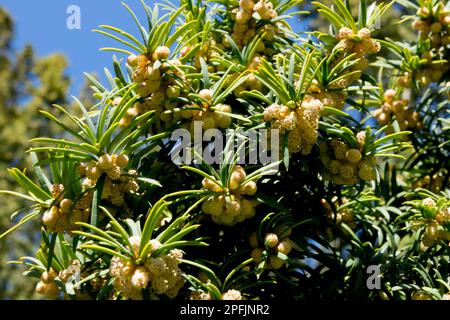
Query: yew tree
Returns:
{"type": "Point", "coordinates": [154, 192]}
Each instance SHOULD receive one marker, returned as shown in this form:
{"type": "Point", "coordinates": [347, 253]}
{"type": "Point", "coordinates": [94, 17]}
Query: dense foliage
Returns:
{"type": "Point", "coordinates": [361, 184]}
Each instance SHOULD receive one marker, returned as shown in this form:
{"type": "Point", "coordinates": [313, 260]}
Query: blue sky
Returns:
{"type": "Point", "coordinates": [43, 24]}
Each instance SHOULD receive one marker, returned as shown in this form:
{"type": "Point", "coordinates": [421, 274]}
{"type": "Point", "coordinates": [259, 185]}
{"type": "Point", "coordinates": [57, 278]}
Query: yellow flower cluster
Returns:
{"type": "Point", "coordinates": [112, 165]}
{"type": "Point", "coordinates": [343, 214]}
{"type": "Point", "coordinates": [114, 191]}
{"type": "Point", "coordinates": [157, 85]}
{"type": "Point", "coordinates": [281, 117]}
{"type": "Point", "coordinates": [210, 116]}
{"type": "Point", "coordinates": [274, 245]}
{"type": "Point", "coordinates": [434, 232]}
{"type": "Point", "coordinates": [207, 113]}
{"type": "Point", "coordinates": [161, 273]}
{"type": "Point", "coordinates": [359, 43]}
{"type": "Point", "coordinates": [229, 295]}
{"type": "Point", "coordinates": [425, 296]}
{"type": "Point", "coordinates": [200, 295]}
{"type": "Point", "coordinates": [212, 119]}
{"type": "Point", "coordinates": [72, 269]}
{"type": "Point", "coordinates": [116, 184]}
{"type": "Point", "coordinates": [301, 123]}
{"type": "Point", "coordinates": [434, 184]}
{"type": "Point", "coordinates": [230, 206]}
{"type": "Point", "coordinates": [406, 117]}
{"type": "Point", "coordinates": [420, 296]}
{"type": "Point", "coordinates": [170, 113]}
{"type": "Point", "coordinates": [56, 219]}
{"type": "Point", "coordinates": [158, 102]}
{"type": "Point", "coordinates": [64, 214]}
{"type": "Point", "coordinates": [334, 99]}
{"type": "Point", "coordinates": [345, 165]}
{"type": "Point", "coordinates": [209, 50]}
{"type": "Point", "coordinates": [252, 82]}
{"type": "Point", "coordinates": [404, 80]}
{"type": "Point", "coordinates": [245, 28]}
{"type": "Point", "coordinates": [432, 71]}
{"type": "Point", "coordinates": [146, 73]}
{"type": "Point", "coordinates": [433, 25]}
{"type": "Point", "coordinates": [47, 286]}
{"type": "Point", "coordinates": [232, 295]}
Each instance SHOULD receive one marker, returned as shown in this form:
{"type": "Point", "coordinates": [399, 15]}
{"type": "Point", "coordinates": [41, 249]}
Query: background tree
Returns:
{"type": "Point", "coordinates": [27, 84]}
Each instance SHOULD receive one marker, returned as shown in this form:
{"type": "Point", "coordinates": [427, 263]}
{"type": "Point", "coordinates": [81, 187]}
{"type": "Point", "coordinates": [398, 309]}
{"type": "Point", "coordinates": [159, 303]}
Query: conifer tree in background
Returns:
{"type": "Point", "coordinates": [27, 83]}
{"type": "Point", "coordinates": [354, 209]}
